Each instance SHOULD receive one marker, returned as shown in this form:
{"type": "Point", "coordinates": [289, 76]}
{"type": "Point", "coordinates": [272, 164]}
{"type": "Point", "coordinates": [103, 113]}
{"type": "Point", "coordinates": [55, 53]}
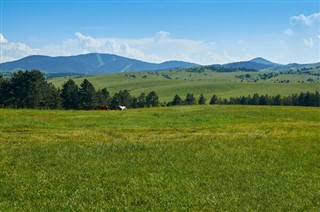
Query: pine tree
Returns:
{"type": "Point", "coordinates": [255, 99]}
{"type": "Point", "coordinates": [276, 100]}
{"type": "Point", "coordinates": [103, 97]}
{"type": "Point", "coordinates": [123, 98]}
{"type": "Point", "coordinates": [190, 99]}
{"type": "Point", "coordinates": [28, 90]}
{"type": "Point", "coordinates": [214, 100]}
{"type": "Point", "coordinates": [316, 99]}
{"type": "Point", "coordinates": [52, 99]}
{"type": "Point", "coordinates": [202, 100]}
{"type": "Point", "coordinates": [264, 100]}
{"type": "Point", "coordinates": [152, 99]}
{"type": "Point", "coordinates": [177, 100]}
{"type": "Point", "coordinates": [5, 93]}
{"type": "Point", "coordinates": [134, 103]}
{"type": "Point", "coordinates": [142, 100]}
{"type": "Point", "coordinates": [87, 96]}
{"type": "Point", "coordinates": [70, 95]}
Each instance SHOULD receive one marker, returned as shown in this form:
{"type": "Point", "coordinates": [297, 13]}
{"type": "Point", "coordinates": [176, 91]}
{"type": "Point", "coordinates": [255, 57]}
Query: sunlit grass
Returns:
{"type": "Point", "coordinates": [177, 158]}
{"type": "Point", "coordinates": [225, 85]}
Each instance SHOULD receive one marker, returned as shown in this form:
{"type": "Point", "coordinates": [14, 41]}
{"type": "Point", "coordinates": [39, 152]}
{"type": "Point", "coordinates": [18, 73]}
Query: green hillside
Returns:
{"type": "Point", "coordinates": [224, 84]}
{"type": "Point", "coordinates": [190, 158]}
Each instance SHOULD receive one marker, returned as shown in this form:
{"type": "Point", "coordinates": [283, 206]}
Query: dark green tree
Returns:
{"type": "Point", "coordinates": [255, 99]}
{"type": "Point", "coordinates": [134, 103]}
{"type": "Point", "coordinates": [152, 99]}
{"type": "Point", "coordinates": [29, 89]}
{"type": "Point", "coordinates": [276, 100]}
{"type": "Point", "coordinates": [225, 101]}
{"type": "Point", "coordinates": [70, 95]}
{"type": "Point", "coordinates": [264, 100]}
{"type": "Point", "coordinates": [177, 100]}
{"type": "Point", "coordinates": [5, 93]}
{"type": "Point", "coordinates": [214, 100]}
{"type": "Point", "coordinates": [52, 99]}
{"type": "Point", "coordinates": [202, 100]}
{"type": "Point", "coordinates": [307, 99]}
{"type": "Point", "coordinates": [123, 98]}
{"type": "Point", "coordinates": [142, 100]}
{"type": "Point", "coordinates": [22, 86]}
{"type": "Point", "coordinates": [190, 99]}
{"type": "Point", "coordinates": [316, 99]}
{"type": "Point", "coordinates": [103, 97]}
{"type": "Point", "coordinates": [87, 96]}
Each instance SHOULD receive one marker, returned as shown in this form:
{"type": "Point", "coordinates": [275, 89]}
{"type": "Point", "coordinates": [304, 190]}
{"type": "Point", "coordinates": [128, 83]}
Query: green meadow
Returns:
{"type": "Point", "coordinates": [212, 157]}
{"type": "Point", "coordinates": [225, 85]}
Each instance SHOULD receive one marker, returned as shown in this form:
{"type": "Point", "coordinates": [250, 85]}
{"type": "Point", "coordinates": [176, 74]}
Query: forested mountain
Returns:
{"type": "Point", "coordinates": [95, 63]}
{"type": "Point", "coordinates": [261, 60]}
{"type": "Point", "coordinates": [294, 67]}
{"type": "Point", "coordinates": [261, 64]}
{"type": "Point", "coordinates": [89, 64]}
{"type": "Point", "coordinates": [255, 64]}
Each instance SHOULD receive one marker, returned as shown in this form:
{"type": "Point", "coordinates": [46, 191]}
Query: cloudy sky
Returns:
{"type": "Point", "coordinates": [203, 31]}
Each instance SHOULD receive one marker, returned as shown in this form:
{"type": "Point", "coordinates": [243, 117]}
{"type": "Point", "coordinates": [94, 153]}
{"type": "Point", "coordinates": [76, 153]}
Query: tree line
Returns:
{"type": "Point", "coordinates": [29, 89]}
{"type": "Point", "coordinates": [302, 99]}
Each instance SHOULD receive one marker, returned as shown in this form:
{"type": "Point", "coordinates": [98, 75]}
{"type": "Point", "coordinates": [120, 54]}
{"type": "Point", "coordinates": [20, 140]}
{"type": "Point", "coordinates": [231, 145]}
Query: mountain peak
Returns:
{"type": "Point", "coordinates": [263, 61]}
{"type": "Point", "coordinates": [258, 63]}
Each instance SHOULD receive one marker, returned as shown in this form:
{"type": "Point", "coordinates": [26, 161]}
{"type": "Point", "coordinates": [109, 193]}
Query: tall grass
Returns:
{"type": "Point", "coordinates": [177, 158]}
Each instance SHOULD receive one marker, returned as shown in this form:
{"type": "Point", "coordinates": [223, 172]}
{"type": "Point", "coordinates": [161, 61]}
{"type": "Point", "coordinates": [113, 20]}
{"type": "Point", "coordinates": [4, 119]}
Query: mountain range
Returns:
{"type": "Point", "coordinates": [95, 63]}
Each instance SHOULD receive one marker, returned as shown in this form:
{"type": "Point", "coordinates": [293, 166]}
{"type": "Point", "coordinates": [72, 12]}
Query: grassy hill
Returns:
{"type": "Point", "coordinates": [208, 82]}
{"type": "Point", "coordinates": [213, 158]}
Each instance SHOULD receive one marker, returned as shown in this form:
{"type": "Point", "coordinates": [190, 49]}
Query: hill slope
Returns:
{"type": "Point", "coordinates": [255, 64]}
{"type": "Point", "coordinates": [208, 82]}
{"type": "Point", "coordinates": [89, 64]}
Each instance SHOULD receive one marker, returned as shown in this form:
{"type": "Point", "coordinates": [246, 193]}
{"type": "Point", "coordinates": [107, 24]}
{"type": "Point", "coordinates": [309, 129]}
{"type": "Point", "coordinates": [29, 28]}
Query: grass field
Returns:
{"type": "Point", "coordinates": [234, 158]}
{"type": "Point", "coordinates": [225, 85]}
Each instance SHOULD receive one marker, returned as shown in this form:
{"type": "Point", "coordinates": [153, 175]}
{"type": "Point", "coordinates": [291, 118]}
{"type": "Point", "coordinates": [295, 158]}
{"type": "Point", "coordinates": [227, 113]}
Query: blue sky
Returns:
{"type": "Point", "coordinates": [205, 32]}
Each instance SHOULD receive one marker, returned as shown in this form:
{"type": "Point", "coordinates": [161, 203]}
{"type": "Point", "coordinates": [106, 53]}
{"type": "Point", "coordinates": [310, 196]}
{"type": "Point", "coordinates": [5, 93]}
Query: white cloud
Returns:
{"type": "Point", "coordinates": [161, 35]}
{"type": "Point", "coordinates": [2, 39]}
{"type": "Point", "coordinates": [307, 20]}
{"type": "Point", "coordinates": [87, 44]}
{"type": "Point", "coordinates": [306, 29]}
{"type": "Point", "coordinates": [158, 48]}
{"type": "Point", "coordinates": [308, 42]}
{"type": "Point", "coordinates": [229, 57]}
{"type": "Point", "coordinates": [12, 51]}
{"type": "Point", "coordinates": [288, 32]}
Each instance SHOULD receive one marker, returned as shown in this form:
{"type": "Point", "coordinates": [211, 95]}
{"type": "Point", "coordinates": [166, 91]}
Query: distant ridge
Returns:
{"type": "Point", "coordinates": [93, 63]}
{"type": "Point", "coordinates": [258, 64]}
